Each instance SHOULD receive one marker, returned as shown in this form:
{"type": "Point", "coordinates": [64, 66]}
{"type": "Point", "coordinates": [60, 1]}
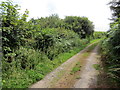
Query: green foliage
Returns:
{"type": "Point", "coordinates": [115, 7]}
{"type": "Point", "coordinates": [111, 45]}
{"type": "Point", "coordinates": [81, 25]}
{"type": "Point", "coordinates": [30, 66]}
{"type": "Point", "coordinates": [97, 66]}
{"type": "Point", "coordinates": [32, 49]}
{"type": "Point", "coordinates": [92, 47]}
{"type": "Point", "coordinates": [13, 26]}
{"type": "Point", "coordinates": [99, 35]}
{"type": "Point", "coordinates": [111, 52]}
{"type": "Point", "coordinates": [55, 41]}
{"type": "Point", "coordinates": [76, 68]}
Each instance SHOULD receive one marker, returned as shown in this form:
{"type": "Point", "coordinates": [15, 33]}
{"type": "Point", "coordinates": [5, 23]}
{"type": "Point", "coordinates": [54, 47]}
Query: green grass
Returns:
{"type": "Point", "coordinates": [86, 54]}
{"type": "Point", "coordinates": [97, 66]}
{"type": "Point", "coordinates": [78, 77]}
{"type": "Point", "coordinates": [61, 58]}
{"type": "Point", "coordinates": [95, 40]}
{"type": "Point", "coordinates": [76, 68]}
{"type": "Point", "coordinates": [92, 47]}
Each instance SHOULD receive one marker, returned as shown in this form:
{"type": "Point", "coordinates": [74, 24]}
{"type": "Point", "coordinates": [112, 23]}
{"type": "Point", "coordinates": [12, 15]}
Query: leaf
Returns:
{"type": "Point", "coordinates": [116, 47]}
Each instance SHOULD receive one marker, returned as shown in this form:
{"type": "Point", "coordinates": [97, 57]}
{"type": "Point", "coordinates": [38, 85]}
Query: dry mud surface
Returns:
{"type": "Point", "coordinates": [85, 78]}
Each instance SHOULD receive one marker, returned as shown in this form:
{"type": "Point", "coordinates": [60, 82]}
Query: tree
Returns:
{"type": "Point", "coordinates": [81, 25]}
{"type": "Point", "coordinates": [13, 26]}
{"type": "Point", "coordinates": [52, 21]}
{"type": "Point", "coordinates": [115, 7]}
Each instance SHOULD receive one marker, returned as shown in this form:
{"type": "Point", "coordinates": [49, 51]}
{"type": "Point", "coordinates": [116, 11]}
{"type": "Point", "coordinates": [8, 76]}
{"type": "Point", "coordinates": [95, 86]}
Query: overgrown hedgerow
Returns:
{"type": "Point", "coordinates": [111, 53]}
{"type": "Point", "coordinates": [32, 49]}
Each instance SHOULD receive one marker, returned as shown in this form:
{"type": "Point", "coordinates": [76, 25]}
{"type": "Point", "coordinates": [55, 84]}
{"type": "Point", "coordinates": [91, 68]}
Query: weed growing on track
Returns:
{"type": "Point", "coordinates": [97, 66]}
{"type": "Point", "coordinates": [76, 68]}
{"type": "Point", "coordinates": [78, 77]}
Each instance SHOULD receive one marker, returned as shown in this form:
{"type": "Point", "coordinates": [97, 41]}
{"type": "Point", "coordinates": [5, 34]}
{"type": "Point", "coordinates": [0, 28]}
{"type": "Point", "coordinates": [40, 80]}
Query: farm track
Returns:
{"type": "Point", "coordinates": [84, 78]}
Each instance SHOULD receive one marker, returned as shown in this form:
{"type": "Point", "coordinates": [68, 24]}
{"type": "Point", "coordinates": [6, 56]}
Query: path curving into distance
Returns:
{"type": "Point", "coordinates": [62, 78]}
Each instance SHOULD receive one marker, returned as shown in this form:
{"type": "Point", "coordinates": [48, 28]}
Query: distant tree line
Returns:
{"type": "Point", "coordinates": [80, 25]}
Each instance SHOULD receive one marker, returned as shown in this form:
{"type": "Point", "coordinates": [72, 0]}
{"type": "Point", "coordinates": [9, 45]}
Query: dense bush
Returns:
{"type": "Point", "coordinates": [111, 45]}
{"type": "Point", "coordinates": [55, 41]}
{"type": "Point", "coordinates": [81, 25]}
{"type": "Point", "coordinates": [111, 54]}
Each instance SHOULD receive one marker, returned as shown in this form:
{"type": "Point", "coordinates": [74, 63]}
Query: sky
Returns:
{"type": "Point", "coordinates": [97, 11]}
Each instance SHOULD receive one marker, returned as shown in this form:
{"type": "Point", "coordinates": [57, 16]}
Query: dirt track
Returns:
{"type": "Point", "coordinates": [85, 78]}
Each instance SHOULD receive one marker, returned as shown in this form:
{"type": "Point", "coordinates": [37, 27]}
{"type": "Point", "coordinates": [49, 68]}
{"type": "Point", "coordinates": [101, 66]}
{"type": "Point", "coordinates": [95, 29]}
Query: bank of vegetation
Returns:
{"type": "Point", "coordinates": [33, 48]}
{"type": "Point", "coordinates": [111, 45]}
